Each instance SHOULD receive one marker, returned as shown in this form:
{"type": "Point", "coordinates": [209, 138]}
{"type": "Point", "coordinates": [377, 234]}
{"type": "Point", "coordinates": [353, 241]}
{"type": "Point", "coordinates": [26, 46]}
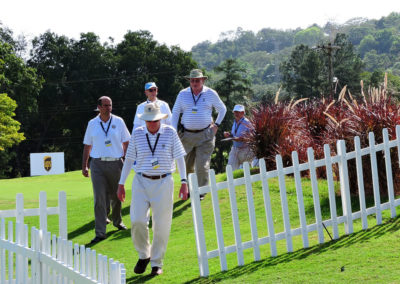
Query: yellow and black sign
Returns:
{"type": "Point", "coordinates": [47, 163]}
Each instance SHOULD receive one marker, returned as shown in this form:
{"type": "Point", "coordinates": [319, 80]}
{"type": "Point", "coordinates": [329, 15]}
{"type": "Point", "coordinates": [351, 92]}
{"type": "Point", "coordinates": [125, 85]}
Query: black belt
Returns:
{"type": "Point", "coordinates": [196, 131]}
{"type": "Point", "coordinates": [154, 177]}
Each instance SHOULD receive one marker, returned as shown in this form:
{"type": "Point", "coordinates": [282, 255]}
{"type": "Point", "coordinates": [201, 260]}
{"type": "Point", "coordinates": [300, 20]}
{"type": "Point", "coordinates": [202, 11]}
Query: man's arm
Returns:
{"type": "Point", "coordinates": [176, 111]}
{"type": "Point", "coordinates": [85, 159]}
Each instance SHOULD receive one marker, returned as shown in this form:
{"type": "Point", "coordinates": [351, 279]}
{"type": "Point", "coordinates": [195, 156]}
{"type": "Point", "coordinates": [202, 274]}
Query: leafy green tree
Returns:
{"type": "Point", "coordinates": [310, 36]}
{"type": "Point", "coordinates": [9, 127]}
{"type": "Point", "coordinates": [233, 88]}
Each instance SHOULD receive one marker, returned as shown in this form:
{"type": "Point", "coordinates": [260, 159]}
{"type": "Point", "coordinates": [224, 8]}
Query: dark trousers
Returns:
{"type": "Point", "coordinates": [105, 177]}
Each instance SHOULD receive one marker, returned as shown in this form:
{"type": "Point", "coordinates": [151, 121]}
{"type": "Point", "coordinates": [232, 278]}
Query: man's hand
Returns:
{"type": "Point", "coordinates": [226, 134]}
{"type": "Point", "coordinates": [184, 191]}
{"type": "Point", "coordinates": [214, 128]}
{"type": "Point", "coordinates": [121, 192]}
{"type": "Point", "coordinates": [85, 171]}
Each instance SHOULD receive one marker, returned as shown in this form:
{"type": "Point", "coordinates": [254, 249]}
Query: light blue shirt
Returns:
{"type": "Point", "coordinates": [239, 129]}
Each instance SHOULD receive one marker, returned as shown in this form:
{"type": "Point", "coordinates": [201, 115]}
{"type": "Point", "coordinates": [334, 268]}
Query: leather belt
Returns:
{"type": "Point", "coordinates": [107, 159]}
{"type": "Point", "coordinates": [154, 177]}
{"type": "Point", "coordinates": [196, 131]}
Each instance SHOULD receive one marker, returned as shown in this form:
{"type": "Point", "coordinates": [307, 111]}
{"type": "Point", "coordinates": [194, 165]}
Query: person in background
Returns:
{"type": "Point", "coordinates": [105, 142]}
{"type": "Point", "coordinates": [196, 104]}
{"type": "Point", "coordinates": [155, 147]}
{"type": "Point", "coordinates": [151, 92]}
{"type": "Point", "coordinates": [240, 152]}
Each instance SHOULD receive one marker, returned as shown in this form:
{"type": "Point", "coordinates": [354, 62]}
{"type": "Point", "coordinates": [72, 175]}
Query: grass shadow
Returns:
{"type": "Point", "coordinates": [362, 236]}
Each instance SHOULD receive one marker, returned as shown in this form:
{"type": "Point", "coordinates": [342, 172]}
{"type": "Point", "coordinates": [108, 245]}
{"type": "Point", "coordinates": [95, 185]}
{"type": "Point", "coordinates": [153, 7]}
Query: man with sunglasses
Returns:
{"type": "Point", "coordinates": [196, 104]}
{"type": "Point", "coordinates": [151, 91]}
{"type": "Point", "coordinates": [154, 147]}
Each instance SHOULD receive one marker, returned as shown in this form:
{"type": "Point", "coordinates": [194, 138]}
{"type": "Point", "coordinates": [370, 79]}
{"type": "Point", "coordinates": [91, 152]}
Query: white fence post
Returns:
{"type": "Point", "coordinates": [315, 191]}
{"type": "Point", "coordinates": [252, 212]}
{"type": "Point", "coordinates": [43, 211]}
{"type": "Point", "coordinates": [389, 175]}
{"type": "Point", "coordinates": [19, 206]}
{"type": "Point", "coordinates": [62, 215]}
{"type": "Point", "coordinates": [267, 207]}
{"type": "Point", "coordinates": [375, 178]}
{"type": "Point", "coordinates": [284, 203]}
{"type": "Point", "coordinates": [360, 182]}
{"type": "Point", "coordinates": [217, 220]}
{"type": "Point", "coordinates": [198, 223]}
{"type": "Point", "coordinates": [2, 252]}
{"type": "Point", "coordinates": [331, 191]}
{"type": "Point", "coordinates": [235, 217]}
{"type": "Point", "coordinates": [344, 186]}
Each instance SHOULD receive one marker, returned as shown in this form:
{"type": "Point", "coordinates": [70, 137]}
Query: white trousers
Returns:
{"type": "Point", "coordinates": [237, 156]}
{"type": "Point", "coordinates": [157, 194]}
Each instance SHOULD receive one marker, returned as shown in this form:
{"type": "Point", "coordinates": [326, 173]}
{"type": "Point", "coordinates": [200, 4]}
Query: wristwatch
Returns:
{"type": "Point", "coordinates": [217, 124]}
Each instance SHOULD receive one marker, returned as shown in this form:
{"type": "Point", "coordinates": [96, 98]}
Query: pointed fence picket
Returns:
{"type": "Point", "coordinates": [348, 217]}
{"type": "Point", "coordinates": [53, 259]}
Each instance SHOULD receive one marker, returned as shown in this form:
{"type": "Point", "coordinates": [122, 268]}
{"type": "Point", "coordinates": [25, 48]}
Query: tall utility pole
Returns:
{"type": "Point", "coordinates": [328, 50]}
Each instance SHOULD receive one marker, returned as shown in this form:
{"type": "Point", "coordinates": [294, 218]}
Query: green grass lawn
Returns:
{"type": "Point", "coordinates": [372, 255]}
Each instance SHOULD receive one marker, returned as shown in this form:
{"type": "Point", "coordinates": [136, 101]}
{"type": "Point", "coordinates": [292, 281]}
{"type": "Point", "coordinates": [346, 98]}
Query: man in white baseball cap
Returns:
{"type": "Point", "coordinates": [240, 152]}
{"type": "Point", "coordinates": [154, 147]}
{"type": "Point", "coordinates": [151, 92]}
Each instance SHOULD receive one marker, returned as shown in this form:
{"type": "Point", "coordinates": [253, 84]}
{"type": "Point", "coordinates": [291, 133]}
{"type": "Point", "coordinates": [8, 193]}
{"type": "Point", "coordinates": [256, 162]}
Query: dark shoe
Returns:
{"type": "Point", "coordinates": [108, 221]}
{"type": "Point", "coordinates": [141, 265]}
{"type": "Point", "coordinates": [202, 196]}
{"type": "Point", "coordinates": [121, 227]}
{"type": "Point", "coordinates": [156, 271]}
{"type": "Point", "coordinates": [96, 240]}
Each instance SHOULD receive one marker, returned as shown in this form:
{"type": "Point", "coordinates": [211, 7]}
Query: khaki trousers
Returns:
{"type": "Point", "coordinates": [105, 177]}
{"type": "Point", "coordinates": [199, 147]}
{"type": "Point", "coordinates": [157, 194]}
{"type": "Point", "coordinates": [237, 156]}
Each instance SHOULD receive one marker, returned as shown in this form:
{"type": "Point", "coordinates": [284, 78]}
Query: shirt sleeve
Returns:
{"type": "Point", "coordinates": [167, 110]}
{"type": "Point", "coordinates": [137, 120]}
{"type": "Point", "coordinates": [87, 140]}
{"type": "Point", "coordinates": [178, 150]}
{"type": "Point", "coordinates": [131, 151]}
{"type": "Point", "coordinates": [125, 136]}
{"type": "Point", "coordinates": [126, 169]}
{"type": "Point", "coordinates": [220, 107]}
{"type": "Point", "coordinates": [176, 111]}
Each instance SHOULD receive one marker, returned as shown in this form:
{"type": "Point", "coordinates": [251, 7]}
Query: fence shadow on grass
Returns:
{"type": "Point", "coordinates": [377, 231]}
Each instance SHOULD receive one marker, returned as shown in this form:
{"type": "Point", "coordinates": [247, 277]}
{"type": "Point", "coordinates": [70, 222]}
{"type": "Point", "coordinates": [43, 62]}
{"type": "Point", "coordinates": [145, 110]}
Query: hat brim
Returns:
{"type": "Point", "coordinates": [152, 117]}
{"type": "Point", "coordinates": [188, 77]}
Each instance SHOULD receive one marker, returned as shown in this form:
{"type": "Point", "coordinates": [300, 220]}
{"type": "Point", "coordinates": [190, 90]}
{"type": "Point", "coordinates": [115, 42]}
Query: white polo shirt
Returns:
{"type": "Point", "coordinates": [197, 110]}
{"type": "Point", "coordinates": [167, 149]}
{"type": "Point", "coordinates": [109, 145]}
{"type": "Point", "coordinates": [164, 108]}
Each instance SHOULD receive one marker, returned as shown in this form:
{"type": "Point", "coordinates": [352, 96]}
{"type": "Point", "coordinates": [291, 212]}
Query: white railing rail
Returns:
{"type": "Point", "coordinates": [43, 211]}
{"type": "Point", "coordinates": [52, 259]}
{"type": "Point", "coordinates": [347, 218]}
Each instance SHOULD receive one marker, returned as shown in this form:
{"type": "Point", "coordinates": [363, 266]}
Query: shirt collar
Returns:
{"type": "Point", "coordinates": [99, 119]}
{"type": "Point", "coordinates": [161, 130]}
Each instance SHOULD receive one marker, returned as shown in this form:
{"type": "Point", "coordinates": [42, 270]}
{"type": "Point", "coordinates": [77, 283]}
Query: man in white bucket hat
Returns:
{"type": "Point", "coordinates": [154, 147]}
{"type": "Point", "coordinates": [240, 152]}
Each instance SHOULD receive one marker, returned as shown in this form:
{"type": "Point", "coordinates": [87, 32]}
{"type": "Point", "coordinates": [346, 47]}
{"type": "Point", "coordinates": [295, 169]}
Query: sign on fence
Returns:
{"type": "Point", "coordinates": [47, 163]}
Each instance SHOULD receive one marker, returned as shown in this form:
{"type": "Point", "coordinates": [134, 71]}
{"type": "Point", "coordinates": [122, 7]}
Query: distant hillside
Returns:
{"type": "Point", "coordinates": [377, 42]}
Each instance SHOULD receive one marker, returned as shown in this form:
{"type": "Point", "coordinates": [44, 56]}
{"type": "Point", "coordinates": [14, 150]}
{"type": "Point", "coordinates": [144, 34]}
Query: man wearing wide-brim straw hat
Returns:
{"type": "Point", "coordinates": [196, 104]}
{"type": "Point", "coordinates": [154, 147]}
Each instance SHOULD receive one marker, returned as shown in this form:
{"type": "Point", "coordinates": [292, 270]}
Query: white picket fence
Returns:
{"type": "Point", "coordinates": [43, 211]}
{"type": "Point", "coordinates": [52, 259]}
{"type": "Point", "coordinates": [304, 229]}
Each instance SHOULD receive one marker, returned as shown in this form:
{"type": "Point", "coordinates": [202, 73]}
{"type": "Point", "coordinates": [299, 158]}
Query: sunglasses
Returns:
{"type": "Point", "coordinates": [195, 80]}
{"type": "Point", "coordinates": [152, 90]}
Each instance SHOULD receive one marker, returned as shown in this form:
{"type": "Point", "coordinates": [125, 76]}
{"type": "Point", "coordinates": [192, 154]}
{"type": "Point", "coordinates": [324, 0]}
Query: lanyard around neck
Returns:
{"type": "Point", "coordinates": [193, 96]}
{"type": "Point", "coordinates": [108, 127]}
{"type": "Point", "coordinates": [155, 145]}
{"type": "Point", "coordinates": [238, 124]}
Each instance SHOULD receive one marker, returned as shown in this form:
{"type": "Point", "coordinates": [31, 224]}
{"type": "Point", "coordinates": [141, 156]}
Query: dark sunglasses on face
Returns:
{"type": "Point", "coordinates": [195, 80]}
{"type": "Point", "coordinates": [152, 90]}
